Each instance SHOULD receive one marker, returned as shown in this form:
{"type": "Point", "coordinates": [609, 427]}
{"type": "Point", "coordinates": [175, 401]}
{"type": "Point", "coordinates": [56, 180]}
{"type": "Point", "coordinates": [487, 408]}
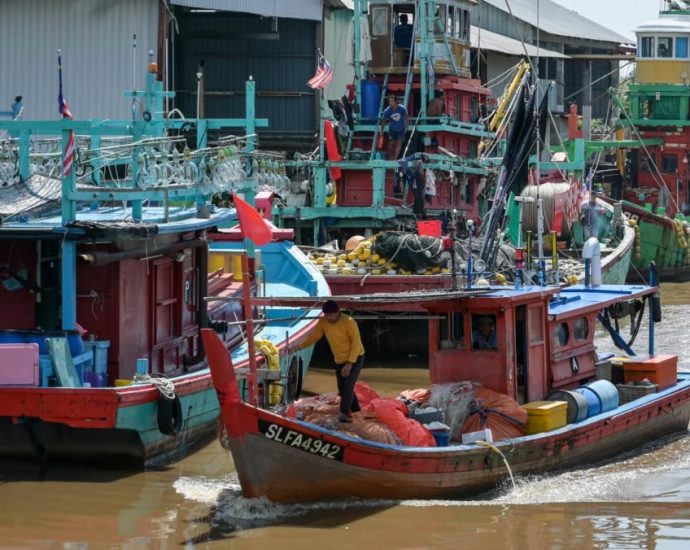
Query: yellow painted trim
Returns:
{"type": "Point", "coordinates": [655, 71]}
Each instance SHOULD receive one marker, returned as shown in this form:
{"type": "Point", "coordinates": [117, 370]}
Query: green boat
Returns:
{"type": "Point", "coordinates": [650, 169]}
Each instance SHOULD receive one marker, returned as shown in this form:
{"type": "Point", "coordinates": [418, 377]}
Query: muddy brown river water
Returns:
{"type": "Point", "coordinates": [638, 501]}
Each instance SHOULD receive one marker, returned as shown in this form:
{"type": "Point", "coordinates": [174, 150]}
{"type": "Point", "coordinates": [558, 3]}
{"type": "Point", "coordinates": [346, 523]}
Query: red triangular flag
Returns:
{"type": "Point", "coordinates": [252, 225]}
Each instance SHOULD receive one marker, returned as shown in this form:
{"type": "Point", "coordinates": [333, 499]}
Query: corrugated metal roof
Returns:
{"type": "Point", "coordinates": [337, 4]}
{"type": "Point", "coordinates": [96, 42]}
{"type": "Point", "coordinates": [559, 20]}
{"type": "Point", "coordinates": [666, 23]}
{"type": "Point", "coordinates": [502, 44]}
{"type": "Point", "coordinates": [293, 9]}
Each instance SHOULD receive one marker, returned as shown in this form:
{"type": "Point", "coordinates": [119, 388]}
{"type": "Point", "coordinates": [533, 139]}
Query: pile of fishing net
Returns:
{"type": "Point", "coordinates": [454, 400]}
{"type": "Point", "coordinates": [467, 407]}
{"type": "Point", "coordinates": [364, 425]}
{"type": "Point", "coordinates": [496, 411]}
{"type": "Point", "coordinates": [470, 407]}
{"type": "Point", "coordinates": [410, 251]}
{"type": "Point", "coordinates": [383, 420]}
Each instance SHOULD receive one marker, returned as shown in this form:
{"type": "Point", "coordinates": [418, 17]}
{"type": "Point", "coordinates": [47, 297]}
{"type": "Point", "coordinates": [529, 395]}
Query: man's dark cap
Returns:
{"type": "Point", "coordinates": [330, 307]}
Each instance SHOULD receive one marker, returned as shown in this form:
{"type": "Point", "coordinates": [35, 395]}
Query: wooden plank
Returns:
{"type": "Point", "coordinates": [61, 357]}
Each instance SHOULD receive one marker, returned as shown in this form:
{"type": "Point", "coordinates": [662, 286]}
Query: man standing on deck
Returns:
{"type": "Point", "coordinates": [17, 108]}
{"type": "Point", "coordinates": [589, 216]}
{"type": "Point", "coordinates": [396, 117]}
{"type": "Point", "coordinates": [402, 34]}
{"type": "Point", "coordinates": [343, 337]}
{"type": "Point", "coordinates": [437, 105]}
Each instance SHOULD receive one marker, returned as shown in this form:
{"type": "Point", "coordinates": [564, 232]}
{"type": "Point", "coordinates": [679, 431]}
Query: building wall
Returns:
{"type": "Point", "coordinates": [497, 64]}
{"type": "Point", "coordinates": [336, 26]}
{"type": "Point", "coordinates": [235, 46]}
{"type": "Point", "coordinates": [95, 37]}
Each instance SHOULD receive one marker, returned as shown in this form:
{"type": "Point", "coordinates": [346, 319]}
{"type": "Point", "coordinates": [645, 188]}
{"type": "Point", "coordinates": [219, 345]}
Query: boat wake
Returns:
{"type": "Point", "coordinates": [656, 473]}
{"type": "Point", "coordinates": [232, 511]}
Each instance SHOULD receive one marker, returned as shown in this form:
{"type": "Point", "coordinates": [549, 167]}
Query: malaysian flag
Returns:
{"type": "Point", "coordinates": [68, 159]}
{"type": "Point", "coordinates": [323, 75]}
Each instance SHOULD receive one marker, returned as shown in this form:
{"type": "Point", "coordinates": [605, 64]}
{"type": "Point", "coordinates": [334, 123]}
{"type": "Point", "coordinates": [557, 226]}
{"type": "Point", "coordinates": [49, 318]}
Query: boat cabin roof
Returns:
{"type": "Point", "coordinates": [563, 302]}
{"type": "Point", "coordinates": [179, 219]}
{"type": "Point", "coordinates": [580, 299]}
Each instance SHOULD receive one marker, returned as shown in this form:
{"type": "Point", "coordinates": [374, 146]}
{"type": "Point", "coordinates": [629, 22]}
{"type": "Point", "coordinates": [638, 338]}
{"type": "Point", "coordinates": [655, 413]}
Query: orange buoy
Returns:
{"type": "Point", "coordinates": [353, 242]}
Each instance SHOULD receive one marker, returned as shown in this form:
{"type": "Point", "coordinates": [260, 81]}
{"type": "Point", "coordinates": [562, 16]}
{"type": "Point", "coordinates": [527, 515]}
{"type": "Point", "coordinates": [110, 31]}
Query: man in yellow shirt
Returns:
{"type": "Point", "coordinates": [342, 333]}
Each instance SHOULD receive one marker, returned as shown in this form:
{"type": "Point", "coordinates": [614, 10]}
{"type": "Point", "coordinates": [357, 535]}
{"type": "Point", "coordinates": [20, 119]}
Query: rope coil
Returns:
{"type": "Point", "coordinates": [163, 384]}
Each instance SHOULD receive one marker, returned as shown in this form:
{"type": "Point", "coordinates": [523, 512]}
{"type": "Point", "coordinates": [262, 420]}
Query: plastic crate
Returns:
{"type": "Point", "coordinates": [430, 228]}
{"type": "Point", "coordinates": [544, 416]}
{"type": "Point", "coordinates": [630, 392]}
{"type": "Point", "coordinates": [100, 354]}
{"type": "Point", "coordinates": [660, 369]}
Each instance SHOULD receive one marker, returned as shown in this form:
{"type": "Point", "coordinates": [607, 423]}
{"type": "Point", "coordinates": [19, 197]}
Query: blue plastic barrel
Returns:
{"type": "Point", "coordinates": [371, 99]}
{"type": "Point", "coordinates": [593, 400]}
{"type": "Point", "coordinates": [607, 393]}
{"type": "Point", "coordinates": [577, 404]}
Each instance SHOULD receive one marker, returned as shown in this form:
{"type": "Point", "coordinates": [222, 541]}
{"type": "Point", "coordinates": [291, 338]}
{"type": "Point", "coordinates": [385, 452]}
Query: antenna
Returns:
{"type": "Point", "coordinates": [134, 62]}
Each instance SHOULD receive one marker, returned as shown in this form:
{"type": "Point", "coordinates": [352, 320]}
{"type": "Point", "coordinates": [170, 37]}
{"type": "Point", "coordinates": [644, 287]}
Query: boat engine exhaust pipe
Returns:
{"type": "Point", "coordinates": [98, 258]}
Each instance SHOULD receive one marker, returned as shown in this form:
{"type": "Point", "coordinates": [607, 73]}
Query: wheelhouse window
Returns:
{"type": "Point", "coordinates": [561, 334]}
{"type": "Point", "coordinates": [452, 331]}
{"type": "Point", "coordinates": [484, 332]}
{"type": "Point", "coordinates": [647, 164]}
{"type": "Point", "coordinates": [581, 328]}
{"type": "Point", "coordinates": [450, 21]}
{"type": "Point", "coordinates": [646, 46]}
{"type": "Point", "coordinates": [466, 26]}
{"type": "Point", "coordinates": [669, 164]}
{"type": "Point", "coordinates": [665, 47]}
{"type": "Point", "coordinates": [682, 47]}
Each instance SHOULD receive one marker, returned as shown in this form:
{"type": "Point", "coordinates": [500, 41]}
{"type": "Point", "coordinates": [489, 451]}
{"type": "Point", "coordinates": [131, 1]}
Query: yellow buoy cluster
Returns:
{"type": "Point", "coordinates": [636, 243]}
{"type": "Point", "coordinates": [362, 260]}
{"type": "Point", "coordinates": [682, 230]}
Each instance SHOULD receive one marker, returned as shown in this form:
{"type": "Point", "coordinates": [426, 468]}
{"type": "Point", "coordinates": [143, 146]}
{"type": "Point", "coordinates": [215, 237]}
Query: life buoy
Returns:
{"type": "Point", "coordinates": [169, 415]}
{"type": "Point", "coordinates": [272, 356]}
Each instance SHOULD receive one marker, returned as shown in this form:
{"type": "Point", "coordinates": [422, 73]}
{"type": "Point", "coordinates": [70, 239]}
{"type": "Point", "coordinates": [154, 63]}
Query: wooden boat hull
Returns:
{"type": "Point", "coordinates": [657, 242]}
{"type": "Point", "coordinates": [278, 458]}
{"type": "Point", "coordinates": [121, 424]}
{"type": "Point", "coordinates": [107, 425]}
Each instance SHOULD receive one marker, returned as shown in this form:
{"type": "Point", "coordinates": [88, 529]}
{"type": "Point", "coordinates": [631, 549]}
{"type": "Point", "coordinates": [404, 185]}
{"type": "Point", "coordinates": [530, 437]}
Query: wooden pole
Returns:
{"type": "Point", "coordinates": [249, 318]}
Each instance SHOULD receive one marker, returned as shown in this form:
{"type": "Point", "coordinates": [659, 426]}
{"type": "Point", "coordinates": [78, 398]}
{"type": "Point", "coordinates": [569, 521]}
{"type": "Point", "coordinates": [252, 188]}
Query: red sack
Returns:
{"type": "Point", "coordinates": [365, 394]}
{"type": "Point", "coordinates": [421, 396]}
{"type": "Point", "coordinates": [379, 143]}
{"type": "Point", "coordinates": [393, 413]}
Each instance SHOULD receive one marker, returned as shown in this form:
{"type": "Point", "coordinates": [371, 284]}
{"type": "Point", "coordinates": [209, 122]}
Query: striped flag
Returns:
{"type": "Point", "coordinates": [323, 75]}
{"type": "Point", "coordinates": [68, 160]}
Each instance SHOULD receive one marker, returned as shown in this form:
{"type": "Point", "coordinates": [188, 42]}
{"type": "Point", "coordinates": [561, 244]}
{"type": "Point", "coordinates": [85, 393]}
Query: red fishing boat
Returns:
{"type": "Point", "coordinates": [545, 343]}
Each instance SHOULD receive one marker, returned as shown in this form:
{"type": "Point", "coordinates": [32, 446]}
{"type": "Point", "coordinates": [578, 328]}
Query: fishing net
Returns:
{"type": "Point", "coordinates": [363, 426]}
{"type": "Point", "coordinates": [454, 400]}
{"type": "Point", "coordinates": [411, 252]}
{"type": "Point", "coordinates": [496, 411]}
